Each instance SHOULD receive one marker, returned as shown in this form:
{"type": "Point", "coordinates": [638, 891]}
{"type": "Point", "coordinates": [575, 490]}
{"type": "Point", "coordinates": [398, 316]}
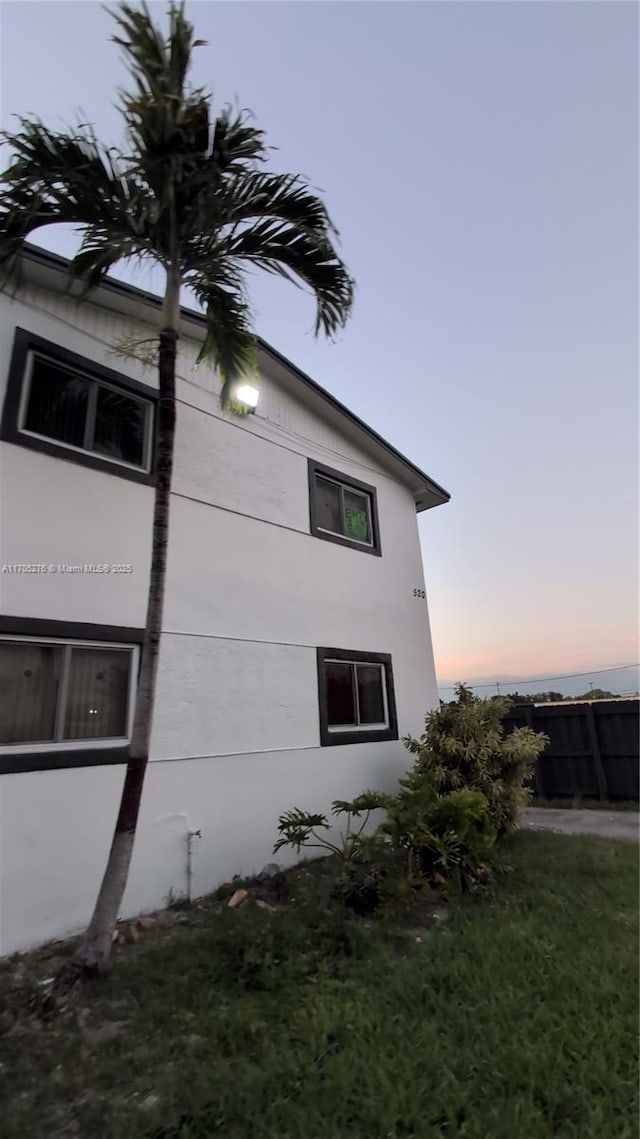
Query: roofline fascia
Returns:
{"type": "Point", "coordinates": [132, 292]}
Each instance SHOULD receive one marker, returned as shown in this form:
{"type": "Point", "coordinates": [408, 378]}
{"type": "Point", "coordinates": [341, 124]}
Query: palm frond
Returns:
{"type": "Point", "coordinates": [99, 252]}
{"type": "Point", "coordinates": [202, 171]}
{"type": "Point", "coordinates": [258, 194]}
{"type": "Point", "coordinates": [158, 66]}
{"type": "Point", "coordinates": [236, 143]}
{"type": "Point", "coordinates": [167, 122]}
{"type": "Point", "coordinates": [21, 215]}
{"type": "Point", "coordinates": [277, 223]}
{"type": "Point", "coordinates": [59, 161]}
{"type": "Point", "coordinates": [230, 342]}
{"type": "Point", "coordinates": [67, 177]}
{"type": "Point", "coordinates": [294, 253]}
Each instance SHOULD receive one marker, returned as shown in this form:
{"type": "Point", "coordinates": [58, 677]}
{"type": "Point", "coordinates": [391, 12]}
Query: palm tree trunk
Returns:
{"type": "Point", "coordinates": [93, 954]}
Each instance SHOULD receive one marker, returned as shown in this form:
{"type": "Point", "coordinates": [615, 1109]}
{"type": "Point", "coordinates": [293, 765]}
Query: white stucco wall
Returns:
{"type": "Point", "coordinates": [250, 595]}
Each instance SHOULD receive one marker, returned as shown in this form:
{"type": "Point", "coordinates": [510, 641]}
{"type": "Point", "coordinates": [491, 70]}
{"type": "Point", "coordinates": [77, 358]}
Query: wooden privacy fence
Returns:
{"type": "Point", "coordinates": [593, 747]}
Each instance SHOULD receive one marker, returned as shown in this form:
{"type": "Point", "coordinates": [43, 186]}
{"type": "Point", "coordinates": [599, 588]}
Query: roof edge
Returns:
{"type": "Point", "coordinates": [434, 491]}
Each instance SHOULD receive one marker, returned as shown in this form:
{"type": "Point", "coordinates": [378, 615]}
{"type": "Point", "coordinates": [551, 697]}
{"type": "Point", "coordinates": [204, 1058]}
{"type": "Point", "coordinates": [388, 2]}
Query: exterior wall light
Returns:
{"type": "Point", "coordinates": [248, 395]}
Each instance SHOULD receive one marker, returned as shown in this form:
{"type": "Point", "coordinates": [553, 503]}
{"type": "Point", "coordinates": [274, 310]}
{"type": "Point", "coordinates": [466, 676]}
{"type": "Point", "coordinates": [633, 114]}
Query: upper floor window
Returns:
{"type": "Point", "coordinates": [67, 406]}
{"type": "Point", "coordinates": [343, 509]}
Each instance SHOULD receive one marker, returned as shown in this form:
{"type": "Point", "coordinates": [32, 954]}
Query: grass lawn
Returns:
{"type": "Point", "coordinates": [514, 1019]}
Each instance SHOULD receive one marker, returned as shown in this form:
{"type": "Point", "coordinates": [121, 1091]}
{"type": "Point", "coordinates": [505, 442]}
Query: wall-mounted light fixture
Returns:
{"type": "Point", "coordinates": [248, 395]}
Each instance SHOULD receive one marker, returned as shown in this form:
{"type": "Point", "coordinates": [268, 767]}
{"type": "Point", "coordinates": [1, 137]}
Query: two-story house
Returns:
{"type": "Point", "coordinates": [295, 651]}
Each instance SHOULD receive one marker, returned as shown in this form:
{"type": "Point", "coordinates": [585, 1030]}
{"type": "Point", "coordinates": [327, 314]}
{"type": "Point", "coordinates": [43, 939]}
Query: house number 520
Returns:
{"type": "Point", "coordinates": [419, 593]}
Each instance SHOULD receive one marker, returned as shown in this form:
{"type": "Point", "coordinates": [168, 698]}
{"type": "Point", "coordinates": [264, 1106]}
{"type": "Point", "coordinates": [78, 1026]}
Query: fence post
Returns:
{"type": "Point", "coordinates": [537, 775]}
{"type": "Point", "coordinates": [603, 790]}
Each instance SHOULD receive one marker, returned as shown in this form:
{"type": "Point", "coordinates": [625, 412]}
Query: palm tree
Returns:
{"type": "Point", "coordinates": [191, 195]}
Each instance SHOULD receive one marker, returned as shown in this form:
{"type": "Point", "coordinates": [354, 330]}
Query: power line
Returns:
{"type": "Point", "coordinates": [542, 679]}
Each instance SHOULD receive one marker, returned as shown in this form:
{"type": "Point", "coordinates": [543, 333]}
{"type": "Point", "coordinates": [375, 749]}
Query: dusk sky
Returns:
{"type": "Point", "coordinates": [481, 163]}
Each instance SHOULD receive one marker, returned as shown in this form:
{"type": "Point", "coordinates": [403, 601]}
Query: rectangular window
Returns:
{"type": "Point", "coordinates": [342, 509]}
{"type": "Point", "coordinates": [59, 403]}
{"type": "Point", "coordinates": [356, 697]}
{"type": "Point", "coordinates": [121, 427]}
{"type": "Point", "coordinates": [80, 412]}
{"type": "Point", "coordinates": [62, 693]}
{"type": "Point", "coordinates": [56, 403]}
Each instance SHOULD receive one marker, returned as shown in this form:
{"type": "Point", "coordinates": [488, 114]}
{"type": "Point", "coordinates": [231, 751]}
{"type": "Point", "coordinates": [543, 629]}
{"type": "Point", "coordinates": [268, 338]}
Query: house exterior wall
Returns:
{"type": "Point", "coordinates": [250, 596]}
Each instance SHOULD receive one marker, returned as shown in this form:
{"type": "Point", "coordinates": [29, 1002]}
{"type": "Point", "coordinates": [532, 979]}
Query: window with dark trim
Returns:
{"type": "Point", "coordinates": [356, 697]}
{"type": "Point", "coordinates": [64, 405]}
{"type": "Point", "coordinates": [67, 693]}
{"type": "Point", "coordinates": [343, 509]}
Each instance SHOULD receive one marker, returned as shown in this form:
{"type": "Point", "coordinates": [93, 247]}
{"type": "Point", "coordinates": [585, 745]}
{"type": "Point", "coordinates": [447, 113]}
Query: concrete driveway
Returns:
{"type": "Point", "coordinates": [607, 824]}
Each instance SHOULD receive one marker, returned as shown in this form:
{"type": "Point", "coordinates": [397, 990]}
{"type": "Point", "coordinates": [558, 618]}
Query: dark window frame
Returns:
{"type": "Point", "coordinates": [54, 757]}
{"type": "Point", "coordinates": [337, 736]}
{"type": "Point", "coordinates": [25, 342]}
{"type": "Point", "coordinates": [347, 482]}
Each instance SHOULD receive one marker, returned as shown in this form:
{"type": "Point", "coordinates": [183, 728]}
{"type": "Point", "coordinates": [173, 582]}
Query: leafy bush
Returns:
{"type": "Point", "coordinates": [464, 747]}
{"type": "Point", "coordinates": [467, 787]}
{"type": "Point", "coordinates": [444, 836]}
{"type": "Point", "coordinates": [424, 837]}
{"type": "Point", "coordinates": [299, 829]}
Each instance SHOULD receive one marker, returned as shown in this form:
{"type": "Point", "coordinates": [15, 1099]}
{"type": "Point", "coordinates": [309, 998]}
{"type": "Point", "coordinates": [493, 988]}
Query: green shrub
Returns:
{"type": "Point", "coordinates": [464, 747]}
{"type": "Point", "coordinates": [300, 829]}
{"type": "Point", "coordinates": [424, 837]}
{"type": "Point", "coordinates": [448, 836]}
{"type": "Point", "coordinates": [468, 785]}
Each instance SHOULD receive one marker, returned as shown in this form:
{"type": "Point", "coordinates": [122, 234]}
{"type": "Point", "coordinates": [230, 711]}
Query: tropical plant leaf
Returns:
{"type": "Point", "coordinates": [364, 803]}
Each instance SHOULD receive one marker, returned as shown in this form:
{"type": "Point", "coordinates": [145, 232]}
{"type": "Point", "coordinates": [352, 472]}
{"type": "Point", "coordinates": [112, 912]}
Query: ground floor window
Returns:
{"type": "Point", "coordinates": [356, 697]}
{"type": "Point", "coordinates": [65, 693]}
